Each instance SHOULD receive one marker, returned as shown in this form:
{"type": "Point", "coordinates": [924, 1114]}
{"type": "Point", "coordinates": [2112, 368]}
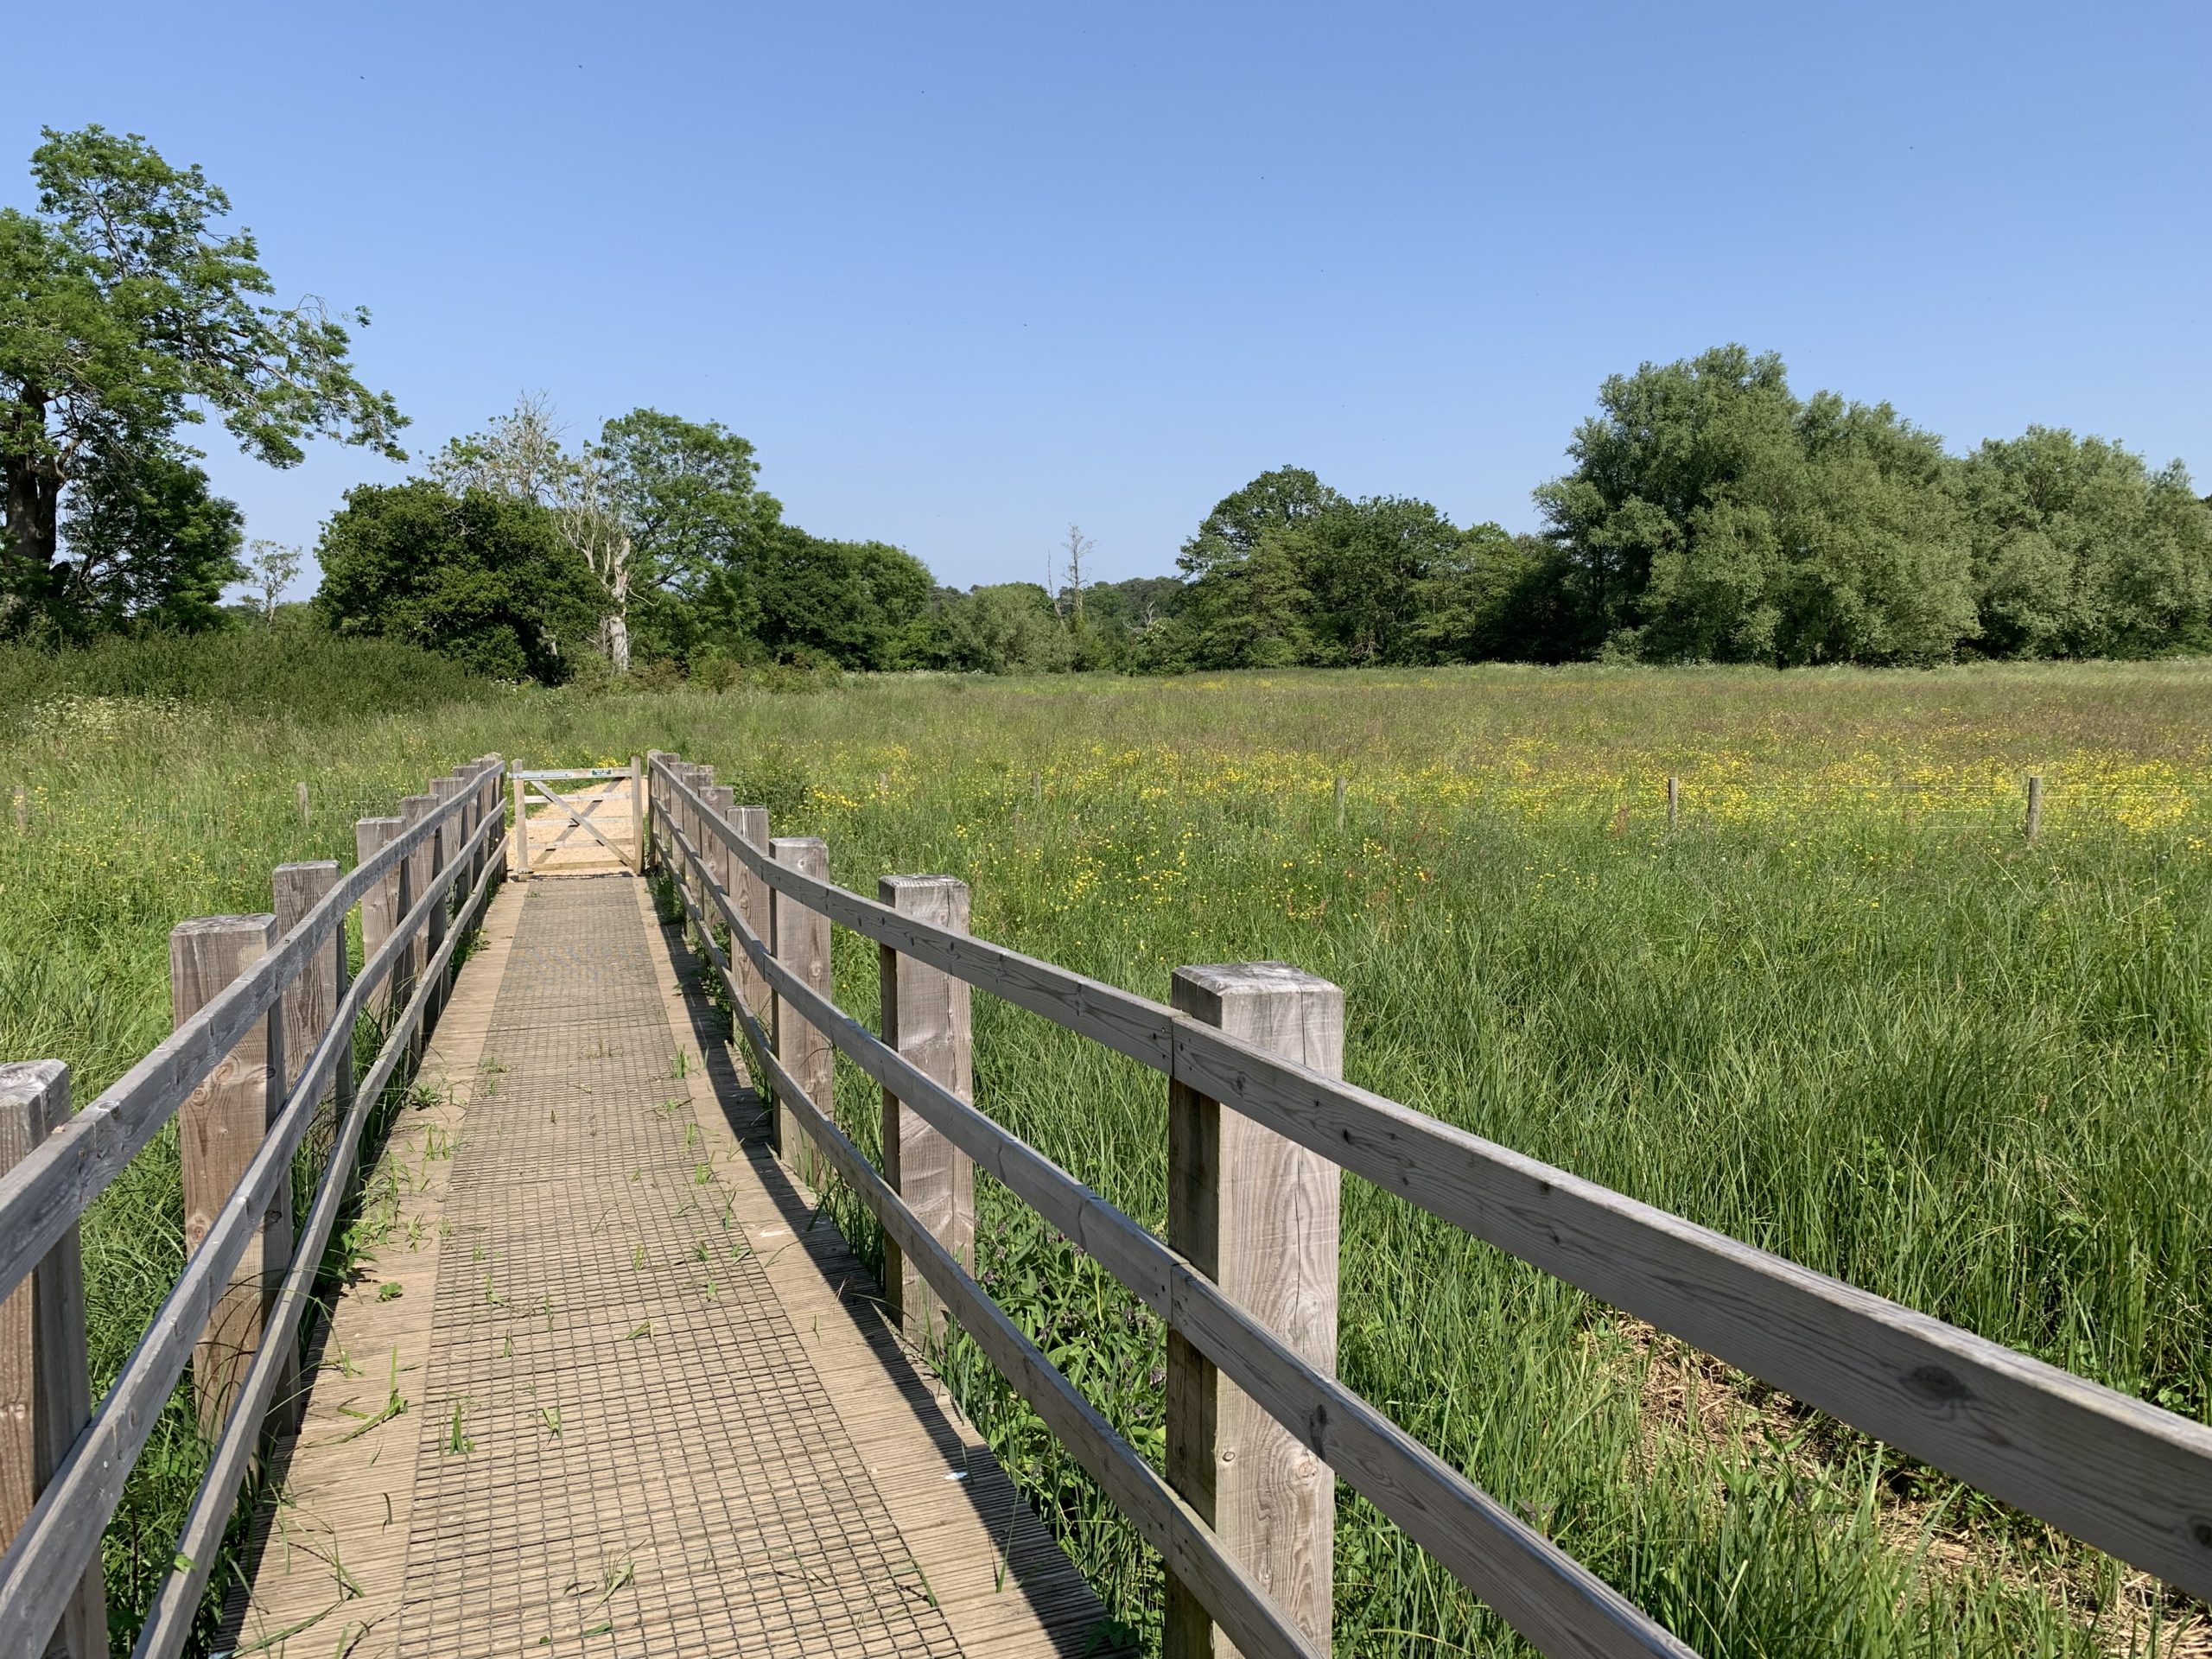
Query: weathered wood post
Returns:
{"type": "Point", "coordinates": [723, 863]}
{"type": "Point", "coordinates": [1259, 1215]}
{"type": "Point", "coordinates": [221, 1125]}
{"type": "Point", "coordinates": [751, 895]}
{"type": "Point", "coordinates": [308, 1003]}
{"type": "Point", "coordinates": [380, 907]}
{"type": "Point", "coordinates": [459, 785]}
{"type": "Point", "coordinates": [446, 848]}
{"type": "Point", "coordinates": [638, 811]}
{"type": "Point", "coordinates": [926, 1017]}
{"type": "Point", "coordinates": [1673, 803]}
{"type": "Point", "coordinates": [696, 777]}
{"type": "Point", "coordinates": [521, 831]}
{"type": "Point", "coordinates": [2035, 805]}
{"type": "Point", "coordinates": [299, 791]}
{"type": "Point", "coordinates": [801, 941]}
{"type": "Point", "coordinates": [494, 803]}
{"type": "Point", "coordinates": [46, 1390]}
{"type": "Point", "coordinates": [1340, 806]}
{"type": "Point", "coordinates": [422, 864]}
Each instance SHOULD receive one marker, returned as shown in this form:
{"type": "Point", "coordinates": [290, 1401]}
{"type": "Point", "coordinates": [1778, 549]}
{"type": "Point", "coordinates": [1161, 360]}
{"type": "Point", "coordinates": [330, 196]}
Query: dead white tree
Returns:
{"type": "Point", "coordinates": [271, 567]}
{"type": "Point", "coordinates": [595, 533]}
{"type": "Point", "coordinates": [1077, 549]}
{"type": "Point", "coordinates": [522, 454]}
{"type": "Point", "coordinates": [518, 454]}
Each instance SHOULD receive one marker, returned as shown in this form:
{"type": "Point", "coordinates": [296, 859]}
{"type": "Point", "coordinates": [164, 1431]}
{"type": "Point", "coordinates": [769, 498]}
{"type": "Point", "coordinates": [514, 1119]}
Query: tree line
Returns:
{"type": "Point", "coordinates": [1709, 513]}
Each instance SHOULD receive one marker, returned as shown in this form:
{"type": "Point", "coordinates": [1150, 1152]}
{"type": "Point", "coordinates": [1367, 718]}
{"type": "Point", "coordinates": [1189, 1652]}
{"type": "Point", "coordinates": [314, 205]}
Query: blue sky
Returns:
{"type": "Point", "coordinates": [968, 274]}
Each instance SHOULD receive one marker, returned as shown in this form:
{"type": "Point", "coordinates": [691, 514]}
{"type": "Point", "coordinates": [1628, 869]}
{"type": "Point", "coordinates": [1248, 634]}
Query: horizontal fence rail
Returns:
{"type": "Point", "coordinates": [2115, 1472]}
{"type": "Point", "coordinates": [458, 848]}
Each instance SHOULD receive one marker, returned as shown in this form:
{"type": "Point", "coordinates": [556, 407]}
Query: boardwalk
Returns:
{"type": "Point", "coordinates": [604, 1389]}
{"type": "Point", "coordinates": [603, 1383]}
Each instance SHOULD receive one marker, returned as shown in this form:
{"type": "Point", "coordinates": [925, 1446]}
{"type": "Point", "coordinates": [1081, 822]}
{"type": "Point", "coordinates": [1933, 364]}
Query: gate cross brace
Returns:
{"type": "Point", "coordinates": [578, 820]}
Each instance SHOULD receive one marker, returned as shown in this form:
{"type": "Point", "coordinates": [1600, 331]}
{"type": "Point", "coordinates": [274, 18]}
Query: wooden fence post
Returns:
{"type": "Point", "coordinates": [1340, 806]}
{"type": "Point", "coordinates": [693, 777]}
{"type": "Point", "coordinates": [46, 1390]}
{"type": "Point", "coordinates": [299, 791]}
{"type": "Point", "coordinates": [722, 864]}
{"type": "Point", "coordinates": [751, 896]}
{"type": "Point", "coordinates": [494, 800]}
{"type": "Point", "coordinates": [2035, 805]}
{"type": "Point", "coordinates": [421, 864]}
{"type": "Point", "coordinates": [221, 1126]}
{"type": "Point", "coordinates": [656, 767]}
{"type": "Point", "coordinates": [310, 1003]}
{"type": "Point", "coordinates": [1260, 1215]}
{"type": "Point", "coordinates": [926, 1017]}
{"type": "Point", "coordinates": [380, 907]}
{"type": "Point", "coordinates": [801, 940]}
{"type": "Point", "coordinates": [637, 810]}
{"type": "Point", "coordinates": [459, 785]}
{"type": "Point", "coordinates": [521, 832]}
{"type": "Point", "coordinates": [446, 847]}
{"type": "Point", "coordinates": [1674, 801]}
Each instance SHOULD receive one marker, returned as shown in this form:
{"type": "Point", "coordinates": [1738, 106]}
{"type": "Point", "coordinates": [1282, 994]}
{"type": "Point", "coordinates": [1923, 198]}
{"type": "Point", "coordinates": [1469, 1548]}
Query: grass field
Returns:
{"type": "Point", "coordinates": [1845, 1012]}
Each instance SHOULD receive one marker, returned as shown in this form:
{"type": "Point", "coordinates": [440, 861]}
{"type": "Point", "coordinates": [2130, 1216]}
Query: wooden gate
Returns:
{"type": "Point", "coordinates": [579, 832]}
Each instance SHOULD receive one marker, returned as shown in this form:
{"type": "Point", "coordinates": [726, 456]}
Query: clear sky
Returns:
{"type": "Point", "coordinates": [967, 274]}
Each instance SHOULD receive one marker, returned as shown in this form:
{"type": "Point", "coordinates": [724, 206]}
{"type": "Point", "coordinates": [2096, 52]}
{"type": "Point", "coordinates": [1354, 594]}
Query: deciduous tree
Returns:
{"type": "Point", "coordinates": [481, 577]}
{"type": "Point", "coordinates": [126, 311]}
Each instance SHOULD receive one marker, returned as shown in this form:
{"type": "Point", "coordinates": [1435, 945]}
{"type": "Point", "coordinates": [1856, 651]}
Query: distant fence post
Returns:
{"type": "Point", "coordinates": [656, 764]}
{"type": "Point", "coordinates": [1340, 805]}
{"type": "Point", "coordinates": [2035, 805]}
{"type": "Point", "coordinates": [1260, 1215]}
{"type": "Point", "coordinates": [637, 810]}
{"type": "Point", "coordinates": [750, 893]}
{"type": "Point", "coordinates": [221, 1125]}
{"type": "Point", "coordinates": [46, 1390]}
{"type": "Point", "coordinates": [801, 945]}
{"type": "Point", "coordinates": [380, 907]}
{"type": "Point", "coordinates": [927, 1018]}
{"type": "Point", "coordinates": [521, 832]}
{"type": "Point", "coordinates": [493, 803]}
{"type": "Point", "coordinates": [1673, 803]}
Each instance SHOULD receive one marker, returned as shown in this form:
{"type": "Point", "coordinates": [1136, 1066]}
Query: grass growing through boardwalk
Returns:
{"type": "Point", "coordinates": [1845, 1012]}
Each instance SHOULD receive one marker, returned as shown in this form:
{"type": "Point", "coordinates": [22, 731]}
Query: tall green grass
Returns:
{"type": "Point", "coordinates": [1868, 1027]}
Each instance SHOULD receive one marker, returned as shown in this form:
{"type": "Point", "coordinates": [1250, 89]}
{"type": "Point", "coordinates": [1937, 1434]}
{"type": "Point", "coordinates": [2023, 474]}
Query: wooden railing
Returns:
{"type": "Point", "coordinates": [266, 1015]}
{"type": "Point", "coordinates": [2114, 1471]}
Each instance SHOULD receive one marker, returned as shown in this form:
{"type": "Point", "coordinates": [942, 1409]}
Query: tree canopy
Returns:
{"type": "Point", "coordinates": [127, 313]}
{"type": "Point", "coordinates": [481, 576]}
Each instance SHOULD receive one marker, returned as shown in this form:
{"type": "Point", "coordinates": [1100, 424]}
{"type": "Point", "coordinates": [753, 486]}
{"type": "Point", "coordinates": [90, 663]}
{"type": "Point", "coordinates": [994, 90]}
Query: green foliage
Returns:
{"type": "Point", "coordinates": [2080, 550]}
{"type": "Point", "coordinates": [294, 670]}
{"type": "Point", "coordinates": [126, 313]}
{"type": "Point", "coordinates": [1003, 628]}
{"type": "Point", "coordinates": [685, 493]}
{"type": "Point", "coordinates": [480, 577]}
{"type": "Point", "coordinates": [804, 599]}
{"type": "Point", "coordinates": [1713, 515]}
{"type": "Point", "coordinates": [149, 548]}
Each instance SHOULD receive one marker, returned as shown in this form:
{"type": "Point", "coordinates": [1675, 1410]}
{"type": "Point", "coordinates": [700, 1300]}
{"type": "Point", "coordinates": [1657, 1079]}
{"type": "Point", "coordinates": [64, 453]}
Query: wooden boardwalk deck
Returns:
{"type": "Point", "coordinates": [606, 1387]}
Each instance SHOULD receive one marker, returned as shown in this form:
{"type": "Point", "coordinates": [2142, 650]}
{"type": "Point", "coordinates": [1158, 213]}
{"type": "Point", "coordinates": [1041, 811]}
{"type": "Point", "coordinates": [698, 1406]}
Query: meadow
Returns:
{"type": "Point", "coordinates": [1844, 1010]}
